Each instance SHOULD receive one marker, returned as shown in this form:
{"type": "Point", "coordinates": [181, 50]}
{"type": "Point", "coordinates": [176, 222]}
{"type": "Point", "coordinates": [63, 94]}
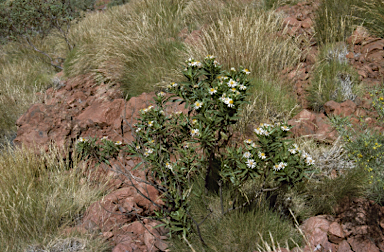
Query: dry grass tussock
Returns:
{"type": "Point", "coordinates": [22, 74]}
{"type": "Point", "coordinates": [39, 196]}
{"type": "Point", "coordinates": [138, 46]}
{"type": "Point", "coordinates": [248, 39]}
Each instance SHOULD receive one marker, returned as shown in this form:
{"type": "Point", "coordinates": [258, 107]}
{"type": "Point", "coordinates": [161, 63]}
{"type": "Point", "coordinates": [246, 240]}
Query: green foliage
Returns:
{"type": "Point", "coordinates": [322, 196]}
{"type": "Point", "coordinates": [333, 21]}
{"type": "Point", "coordinates": [243, 230]}
{"type": "Point", "coordinates": [378, 100]}
{"type": "Point", "coordinates": [367, 149]}
{"type": "Point", "coordinates": [104, 150]}
{"type": "Point", "coordinates": [151, 65]}
{"type": "Point", "coordinates": [271, 159]}
{"type": "Point", "coordinates": [178, 147]}
{"type": "Point", "coordinates": [20, 18]}
{"type": "Point", "coordinates": [334, 79]}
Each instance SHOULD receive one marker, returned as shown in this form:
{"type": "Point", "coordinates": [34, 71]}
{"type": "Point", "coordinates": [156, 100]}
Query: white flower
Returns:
{"type": "Point", "coordinates": [169, 166]}
{"type": "Point", "coordinates": [138, 130]}
{"type": "Point", "coordinates": [161, 112]}
{"type": "Point", "coordinates": [178, 112]}
{"type": "Point", "coordinates": [262, 155]}
{"type": "Point", "coordinates": [229, 102]}
{"type": "Point", "coordinates": [310, 161]}
{"type": "Point", "coordinates": [138, 147]}
{"type": "Point", "coordinates": [150, 123]}
{"type": "Point", "coordinates": [195, 64]}
{"type": "Point", "coordinates": [282, 165]}
{"type": "Point", "coordinates": [118, 143]}
{"type": "Point", "coordinates": [233, 69]}
{"type": "Point", "coordinates": [253, 145]}
{"type": "Point", "coordinates": [209, 57]}
{"type": "Point", "coordinates": [215, 63]}
{"type": "Point", "coordinates": [248, 141]}
{"type": "Point", "coordinates": [198, 104]}
{"type": "Point", "coordinates": [246, 71]}
{"type": "Point", "coordinates": [233, 90]}
{"type": "Point", "coordinates": [194, 121]}
{"type": "Point", "coordinates": [242, 87]}
{"type": "Point", "coordinates": [251, 163]}
{"type": "Point", "coordinates": [284, 128]}
{"type": "Point", "coordinates": [82, 139]}
{"type": "Point", "coordinates": [265, 125]}
{"type": "Point", "coordinates": [259, 131]}
{"type": "Point", "coordinates": [174, 84]}
{"type": "Point", "coordinates": [162, 94]}
{"type": "Point", "coordinates": [305, 155]}
{"type": "Point", "coordinates": [148, 152]}
{"type": "Point", "coordinates": [195, 132]}
{"type": "Point", "coordinates": [231, 83]}
{"type": "Point", "coordinates": [278, 167]}
{"type": "Point", "coordinates": [212, 91]}
{"type": "Point", "coordinates": [104, 138]}
{"type": "Point", "coordinates": [292, 151]}
{"type": "Point", "coordinates": [247, 155]}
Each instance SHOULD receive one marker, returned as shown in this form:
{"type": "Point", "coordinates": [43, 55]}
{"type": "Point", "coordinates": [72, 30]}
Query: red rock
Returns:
{"type": "Point", "coordinates": [347, 108]}
{"type": "Point", "coordinates": [344, 247]}
{"type": "Point", "coordinates": [358, 36]}
{"type": "Point", "coordinates": [126, 244]}
{"type": "Point", "coordinates": [291, 21]}
{"type": "Point", "coordinates": [107, 235]}
{"type": "Point", "coordinates": [335, 233]}
{"type": "Point", "coordinates": [372, 46]}
{"type": "Point", "coordinates": [154, 238]}
{"type": "Point", "coordinates": [361, 244]}
{"type": "Point", "coordinates": [332, 108]}
{"type": "Point", "coordinates": [307, 23]}
{"type": "Point", "coordinates": [135, 227]}
{"type": "Point", "coordinates": [350, 55]}
{"type": "Point", "coordinates": [316, 229]}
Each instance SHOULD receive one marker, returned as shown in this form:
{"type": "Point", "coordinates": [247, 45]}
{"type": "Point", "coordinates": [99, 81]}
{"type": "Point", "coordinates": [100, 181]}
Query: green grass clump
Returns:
{"type": "Point", "coordinates": [39, 196]}
{"type": "Point", "coordinates": [246, 229]}
{"type": "Point", "coordinates": [323, 196]}
{"type": "Point", "coordinates": [23, 72]}
{"type": "Point", "coordinates": [334, 21]}
{"type": "Point", "coordinates": [371, 14]}
{"type": "Point", "coordinates": [270, 101]}
{"type": "Point", "coordinates": [334, 79]}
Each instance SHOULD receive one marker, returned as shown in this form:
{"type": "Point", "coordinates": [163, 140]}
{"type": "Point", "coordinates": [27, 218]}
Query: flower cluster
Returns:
{"type": "Point", "coordinates": [279, 166]}
{"type": "Point", "coordinates": [194, 63]}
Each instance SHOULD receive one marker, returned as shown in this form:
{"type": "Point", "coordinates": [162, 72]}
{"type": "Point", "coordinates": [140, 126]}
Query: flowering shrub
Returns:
{"type": "Point", "coordinates": [175, 147]}
{"type": "Point", "coordinates": [378, 101]}
{"type": "Point", "coordinates": [271, 158]}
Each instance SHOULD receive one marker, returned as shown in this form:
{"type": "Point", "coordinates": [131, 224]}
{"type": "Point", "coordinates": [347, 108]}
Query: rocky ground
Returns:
{"type": "Point", "coordinates": [79, 108]}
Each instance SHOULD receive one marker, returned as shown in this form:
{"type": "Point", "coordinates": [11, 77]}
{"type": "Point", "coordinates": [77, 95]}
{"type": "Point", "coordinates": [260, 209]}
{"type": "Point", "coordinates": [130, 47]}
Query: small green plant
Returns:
{"type": "Point", "coordinates": [334, 79]}
{"type": "Point", "coordinates": [180, 147]}
{"type": "Point", "coordinates": [378, 101]}
{"type": "Point", "coordinates": [367, 149]}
